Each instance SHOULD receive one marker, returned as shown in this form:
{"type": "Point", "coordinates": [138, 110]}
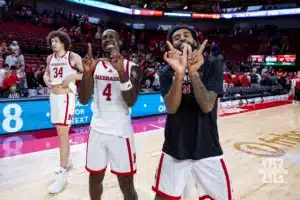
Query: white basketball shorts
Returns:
{"type": "Point", "coordinates": [211, 175]}
{"type": "Point", "coordinates": [119, 152]}
{"type": "Point", "coordinates": [62, 108]}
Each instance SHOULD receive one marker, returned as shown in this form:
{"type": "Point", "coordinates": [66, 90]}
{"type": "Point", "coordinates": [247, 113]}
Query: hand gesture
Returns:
{"type": "Point", "coordinates": [196, 59]}
{"type": "Point", "coordinates": [88, 60]}
{"type": "Point", "coordinates": [117, 60]}
{"type": "Point", "coordinates": [176, 59]}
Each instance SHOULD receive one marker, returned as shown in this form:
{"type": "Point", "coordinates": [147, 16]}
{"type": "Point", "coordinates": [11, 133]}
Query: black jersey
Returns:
{"type": "Point", "coordinates": [190, 133]}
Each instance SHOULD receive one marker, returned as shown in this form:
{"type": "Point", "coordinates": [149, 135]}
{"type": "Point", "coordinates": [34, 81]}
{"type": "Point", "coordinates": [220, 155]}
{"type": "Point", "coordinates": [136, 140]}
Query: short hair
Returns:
{"type": "Point", "coordinates": [62, 36]}
{"type": "Point", "coordinates": [111, 30]}
{"type": "Point", "coordinates": [175, 28]}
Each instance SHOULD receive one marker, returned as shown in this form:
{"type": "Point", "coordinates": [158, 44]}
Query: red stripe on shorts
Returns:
{"type": "Point", "coordinates": [129, 154]}
{"type": "Point", "coordinates": [159, 171]}
{"type": "Point", "coordinates": [67, 109]}
{"type": "Point", "coordinates": [227, 179]}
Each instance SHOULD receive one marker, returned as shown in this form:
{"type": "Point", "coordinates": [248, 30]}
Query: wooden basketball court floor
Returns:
{"type": "Point", "coordinates": [270, 136]}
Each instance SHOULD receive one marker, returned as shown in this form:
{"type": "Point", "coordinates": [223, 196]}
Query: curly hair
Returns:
{"type": "Point", "coordinates": [62, 36]}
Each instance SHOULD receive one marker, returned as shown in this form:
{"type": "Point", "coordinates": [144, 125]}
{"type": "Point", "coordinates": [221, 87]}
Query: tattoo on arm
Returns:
{"type": "Point", "coordinates": [205, 99]}
{"type": "Point", "coordinates": [130, 96]}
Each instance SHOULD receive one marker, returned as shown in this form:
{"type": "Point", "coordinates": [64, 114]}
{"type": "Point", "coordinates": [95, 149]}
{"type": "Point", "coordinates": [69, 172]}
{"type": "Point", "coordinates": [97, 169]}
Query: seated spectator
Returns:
{"type": "Point", "coordinates": [245, 80]}
{"type": "Point", "coordinates": [16, 57]}
{"type": "Point", "coordinates": [156, 84]}
{"type": "Point", "coordinates": [3, 50]}
{"type": "Point", "coordinates": [11, 78]}
{"type": "Point", "coordinates": [12, 93]}
{"type": "Point", "coordinates": [3, 73]}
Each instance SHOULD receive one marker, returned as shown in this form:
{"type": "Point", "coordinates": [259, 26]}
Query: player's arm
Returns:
{"type": "Point", "coordinates": [78, 65]}
{"type": "Point", "coordinates": [46, 75]}
{"type": "Point", "coordinates": [130, 87]}
{"type": "Point", "coordinates": [206, 96]}
{"type": "Point", "coordinates": [171, 91]}
{"type": "Point", "coordinates": [87, 82]}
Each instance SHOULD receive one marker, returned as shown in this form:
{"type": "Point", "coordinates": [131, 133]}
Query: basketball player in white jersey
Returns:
{"type": "Point", "coordinates": [63, 69]}
{"type": "Point", "coordinates": [116, 85]}
{"type": "Point", "coordinates": [295, 88]}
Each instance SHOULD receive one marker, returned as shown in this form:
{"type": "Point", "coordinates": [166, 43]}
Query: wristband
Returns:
{"type": "Point", "coordinates": [126, 86]}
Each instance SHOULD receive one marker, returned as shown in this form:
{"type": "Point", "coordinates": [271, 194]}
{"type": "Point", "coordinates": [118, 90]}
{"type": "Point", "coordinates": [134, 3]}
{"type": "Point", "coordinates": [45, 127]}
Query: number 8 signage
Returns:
{"type": "Point", "coordinates": [12, 114]}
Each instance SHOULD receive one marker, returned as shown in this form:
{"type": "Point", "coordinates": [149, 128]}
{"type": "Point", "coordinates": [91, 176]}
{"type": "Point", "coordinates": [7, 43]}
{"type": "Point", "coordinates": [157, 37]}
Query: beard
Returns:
{"type": "Point", "coordinates": [181, 46]}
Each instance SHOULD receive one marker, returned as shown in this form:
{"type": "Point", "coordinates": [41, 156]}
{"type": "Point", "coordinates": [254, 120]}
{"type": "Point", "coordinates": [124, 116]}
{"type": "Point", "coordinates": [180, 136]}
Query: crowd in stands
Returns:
{"type": "Point", "coordinates": [23, 50]}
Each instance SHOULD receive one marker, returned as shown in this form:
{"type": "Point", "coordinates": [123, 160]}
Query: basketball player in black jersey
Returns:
{"type": "Point", "coordinates": [190, 86]}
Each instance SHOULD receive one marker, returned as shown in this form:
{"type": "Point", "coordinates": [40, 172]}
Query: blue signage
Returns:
{"type": "Point", "coordinates": [262, 13]}
{"type": "Point", "coordinates": [20, 116]}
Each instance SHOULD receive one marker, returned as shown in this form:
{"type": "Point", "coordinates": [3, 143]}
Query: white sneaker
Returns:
{"type": "Point", "coordinates": [60, 183]}
{"type": "Point", "coordinates": [69, 167]}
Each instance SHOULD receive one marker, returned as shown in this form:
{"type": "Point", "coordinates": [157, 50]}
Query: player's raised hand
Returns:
{"type": "Point", "coordinates": [88, 60]}
{"type": "Point", "coordinates": [117, 60]}
{"type": "Point", "coordinates": [196, 59]}
{"type": "Point", "coordinates": [176, 59]}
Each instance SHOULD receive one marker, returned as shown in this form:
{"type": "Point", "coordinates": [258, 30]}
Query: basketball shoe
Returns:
{"type": "Point", "coordinates": [60, 183]}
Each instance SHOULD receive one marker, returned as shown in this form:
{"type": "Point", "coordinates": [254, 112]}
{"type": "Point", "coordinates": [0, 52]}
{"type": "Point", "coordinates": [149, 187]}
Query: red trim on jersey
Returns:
{"type": "Point", "coordinates": [60, 57]}
{"type": "Point", "coordinates": [123, 173]}
{"type": "Point", "coordinates": [127, 68]}
{"type": "Point", "coordinates": [60, 124]}
{"type": "Point", "coordinates": [70, 61]}
{"type": "Point", "coordinates": [227, 179]}
{"type": "Point", "coordinates": [164, 195]}
{"type": "Point", "coordinates": [129, 154]}
{"type": "Point", "coordinates": [104, 65]}
{"type": "Point", "coordinates": [67, 109]}
{"type": "Point", "coordinates": [205, 197]}
{"type": "Point", "coordinates": [95, 172]}
{"type": "Point", "coordinates": [159, 171]}
{"type": "Point", "coordinates": [155, 188]}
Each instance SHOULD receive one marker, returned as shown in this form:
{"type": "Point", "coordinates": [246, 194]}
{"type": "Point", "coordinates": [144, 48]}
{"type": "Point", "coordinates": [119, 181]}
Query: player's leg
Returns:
{"type": "Point", "coordinates": [171, 177]}
{"type": "Point", "coordinates": [190, 186]}
{"type": "Point", "coordinates": [213, 181]}
{"type": "Point", "coordinates": [96, 163]}
{"type": "Point", "coordinates": [123, 164]}
{"type": "Point", "coordinates": [62, 120]}
{"type": "Point", "coordinates": [297, 95]}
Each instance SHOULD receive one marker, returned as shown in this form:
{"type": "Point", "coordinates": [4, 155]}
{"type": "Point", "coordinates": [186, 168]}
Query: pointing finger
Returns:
{"type": "Point", "coordinates": [202, 47]}
{"type": "Point", "coordinates": [90, 51]}
{"type": "Point", "coordinates": [170, 46]}
{"type": "Point", "coordinates": [189, 51]}
{"type": "Point", "coordinates": [185, 52]}
{"type": "Point", "coordinates": [166, 57]}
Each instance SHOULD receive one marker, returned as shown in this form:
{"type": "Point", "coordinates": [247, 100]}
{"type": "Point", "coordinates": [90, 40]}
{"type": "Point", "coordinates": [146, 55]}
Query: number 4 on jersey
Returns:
{"type": "Point", "coordinates": [107, 92]}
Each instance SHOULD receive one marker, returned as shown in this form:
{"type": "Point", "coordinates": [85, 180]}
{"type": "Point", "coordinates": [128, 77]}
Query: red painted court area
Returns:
{"type": "Point", "coordinates": [29, 142]}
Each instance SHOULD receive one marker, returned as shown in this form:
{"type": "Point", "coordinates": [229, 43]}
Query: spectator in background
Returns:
{"type": "Point", "coordinates": [16, 57]}
{"type": "Point", "coordinates": [156, 84]}
{"type": "Point", "coordinates": [3, 73]}
{"type": "Point", "coordinates": [11, 78]}
{"type": "Point", "coordinates": [255, 77]}
{"type": "Point", "coordinates": [245, 80]}
{"type": "Point", "coordinates": [3, 50]}
{"type": "Point", "coordinates": [12, 93]}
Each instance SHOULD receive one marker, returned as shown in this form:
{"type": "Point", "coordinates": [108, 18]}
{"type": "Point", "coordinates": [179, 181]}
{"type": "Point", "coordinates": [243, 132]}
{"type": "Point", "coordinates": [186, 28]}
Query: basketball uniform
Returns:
{"type": "Point", "coordinates": [191, 146]}
{"type": "Point", "coordinates": [62, 106]}
{"type": "Point", "coordinates": [296, 87]}
{"type": "Point", "coordinates": [111, 134]}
